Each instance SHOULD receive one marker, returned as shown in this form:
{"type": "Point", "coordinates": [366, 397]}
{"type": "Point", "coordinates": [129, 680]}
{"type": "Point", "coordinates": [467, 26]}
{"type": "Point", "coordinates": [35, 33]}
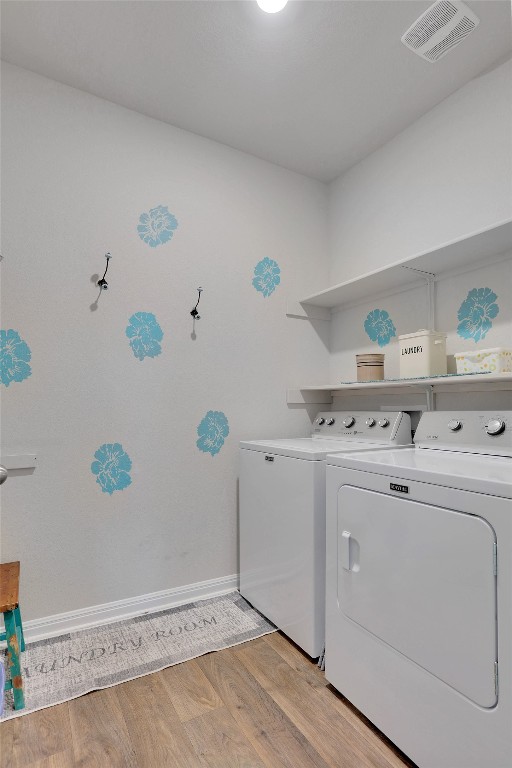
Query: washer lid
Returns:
{"type": "Point", "coordinates": [311, 449]}
{"type": "Point", "coordinates": [469, 472]}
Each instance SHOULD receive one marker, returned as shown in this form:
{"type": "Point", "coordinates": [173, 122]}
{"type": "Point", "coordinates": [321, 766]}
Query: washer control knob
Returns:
{"type": "Point", "coordinates": [454, 425]}
{"type": "Point", "coordinates": [330, 422]}
{"type": "Point", "coordinates": [495, 427]}
{"type": "Point", "coordinates": [320, 421]}
{"type": "Point", "coordinates": [370, 422]}
{"type": "Point", "coordinates": [349, 421]}
{"type": "Point", "coordinates": [383, 423]}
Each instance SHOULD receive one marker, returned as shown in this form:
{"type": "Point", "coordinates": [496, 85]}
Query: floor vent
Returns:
{"type": "Point", "coordinates": [442, 27]}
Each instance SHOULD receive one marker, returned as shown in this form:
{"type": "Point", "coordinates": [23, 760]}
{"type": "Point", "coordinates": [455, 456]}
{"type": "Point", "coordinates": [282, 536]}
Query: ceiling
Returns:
{"type": "Point", "coordinates": [314, 88]}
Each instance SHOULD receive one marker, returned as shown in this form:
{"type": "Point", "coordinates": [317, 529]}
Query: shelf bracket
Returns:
{"type": "Point", "coordinates": [431, 397]}
{"type": "Point", "coordinates": [430, 279]}
{"type": "Point", "coordinates": [308, 397]}
{"type": "Point", "coordinates": [307, 311]}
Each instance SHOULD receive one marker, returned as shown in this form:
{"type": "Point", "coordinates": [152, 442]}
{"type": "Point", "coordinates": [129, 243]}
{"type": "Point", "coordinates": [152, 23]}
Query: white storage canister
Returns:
{"type": "Point", "coordinates": [422, 354]}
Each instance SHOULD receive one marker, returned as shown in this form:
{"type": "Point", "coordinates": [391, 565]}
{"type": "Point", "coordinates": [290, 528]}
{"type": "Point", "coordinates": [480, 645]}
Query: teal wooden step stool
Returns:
{"type": "Point", "coordinates": [9, 606]}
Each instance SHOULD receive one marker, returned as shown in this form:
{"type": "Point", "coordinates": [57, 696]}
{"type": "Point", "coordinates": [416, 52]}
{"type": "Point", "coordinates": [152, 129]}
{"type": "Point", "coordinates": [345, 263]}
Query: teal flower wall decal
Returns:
{"type": "Point", "coordinates": [15, 356]}
{"type": "Point", "coordinates": [476, 314]}
{"type": "Point", "coordinates": [157, 227]}
{"type": "Point", "coordinates": [112, 468]}
{"type": "Point", "coordinates": [267, 276]}
{"type": "Point", "coordinates": [379, 327]}
{"type": "Point", "coordinates": [145, 335]}
{"type": "Point", "coordinates": [212, 431]}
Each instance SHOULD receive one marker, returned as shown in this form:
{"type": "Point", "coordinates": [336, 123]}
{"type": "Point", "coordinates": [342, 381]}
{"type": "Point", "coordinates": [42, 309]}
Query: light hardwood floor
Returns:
{"type": "Point", "coordinates": [262, 704]}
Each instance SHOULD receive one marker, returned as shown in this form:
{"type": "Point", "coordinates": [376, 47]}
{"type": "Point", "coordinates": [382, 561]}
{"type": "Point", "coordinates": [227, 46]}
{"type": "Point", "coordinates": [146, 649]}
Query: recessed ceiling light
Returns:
{"type": "Point", "coordinates": [271, 6]}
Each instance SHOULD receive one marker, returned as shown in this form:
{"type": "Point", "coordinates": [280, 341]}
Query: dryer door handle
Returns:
{"type": "Point", "coordinates": [344, 550]}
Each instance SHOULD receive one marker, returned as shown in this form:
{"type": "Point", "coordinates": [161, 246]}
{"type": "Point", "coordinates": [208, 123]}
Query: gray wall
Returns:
{"type": "Point", "coordinates": [77, 173]}
{"type": "Point", "coordinates": [449, 174]}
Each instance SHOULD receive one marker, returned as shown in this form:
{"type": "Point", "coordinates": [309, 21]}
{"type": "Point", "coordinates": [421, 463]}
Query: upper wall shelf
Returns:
{"type": "Point", "coordinates": [456, 254]}
{"type": "Point", "coordinates": [427, 381]}
{"type": "Point", "coordinates": [323, 393]}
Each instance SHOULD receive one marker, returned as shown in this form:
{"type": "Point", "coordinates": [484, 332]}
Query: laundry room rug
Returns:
{"type": "Point", "coordinates": [65, 667]}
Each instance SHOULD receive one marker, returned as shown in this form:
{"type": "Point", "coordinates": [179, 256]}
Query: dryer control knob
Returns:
{"type": "Point", "coordinates": [370, 422]}
{"type": "Point", "coordinates": [383, 423]}
{"type": "Point", "coordinates": [320, 421]}
{"type": "Point", "coordinates": [349, 421]}
{"type": "Point", "coordinates": [454, 425]}
{"type": "Point", "coordinates": [330, 422]}
{"type": "Point", "coordinates": [495, 427]}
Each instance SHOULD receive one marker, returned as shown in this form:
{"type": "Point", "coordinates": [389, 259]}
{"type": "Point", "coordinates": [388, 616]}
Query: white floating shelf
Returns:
{"type": "Point", "coordinates": [19, 461]}
{"type": "Point", "coordinates": [321, 393]}
{"type": "Point", "coordinates": [456, 254]}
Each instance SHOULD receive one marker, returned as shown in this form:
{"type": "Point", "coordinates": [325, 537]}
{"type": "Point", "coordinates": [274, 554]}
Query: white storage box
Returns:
{"type": "Point", "coordinates": [496, 360]}
{"type": "Point", "coordinates": [422, 354]}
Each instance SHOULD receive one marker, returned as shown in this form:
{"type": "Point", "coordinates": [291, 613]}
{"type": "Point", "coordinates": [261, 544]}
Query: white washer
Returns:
{"type": "Point", "coordinates": [419, 589]}
{"type": "Point", "coordinates": [282, 517]}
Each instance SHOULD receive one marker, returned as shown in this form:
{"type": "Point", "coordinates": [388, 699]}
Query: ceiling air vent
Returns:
{"type": "Point", "coordinates": [443, 26]}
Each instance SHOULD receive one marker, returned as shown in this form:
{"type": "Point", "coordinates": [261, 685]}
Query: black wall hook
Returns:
{"type": "Point", "coordinates": [195, 314]}
{"type": "Point", "coordinates": [102, 284]}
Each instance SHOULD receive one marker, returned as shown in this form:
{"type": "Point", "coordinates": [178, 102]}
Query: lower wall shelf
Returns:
{"type": "Point", "coordinates": [323, 393]}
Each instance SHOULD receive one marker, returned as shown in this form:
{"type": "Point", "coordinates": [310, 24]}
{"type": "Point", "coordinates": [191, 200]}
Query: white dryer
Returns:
{"type": "Point", "coordinates": [419, 589]}
{"type": "Point", "coordinates": [282, 517]}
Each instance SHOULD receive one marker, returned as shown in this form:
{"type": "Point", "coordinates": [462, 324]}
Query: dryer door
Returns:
{"type": "Point", "coordinates": [421, 578]}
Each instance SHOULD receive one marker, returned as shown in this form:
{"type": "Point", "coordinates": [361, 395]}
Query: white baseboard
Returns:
{"type": "Point", "coordinates": [96, 615]}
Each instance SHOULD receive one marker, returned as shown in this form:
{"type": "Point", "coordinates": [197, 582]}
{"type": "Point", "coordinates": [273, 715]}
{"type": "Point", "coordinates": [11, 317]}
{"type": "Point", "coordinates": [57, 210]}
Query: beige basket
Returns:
{"type": "Point", "coordinates": [370, 367]}
{"type": "Point", "coordinates": [495, 360]}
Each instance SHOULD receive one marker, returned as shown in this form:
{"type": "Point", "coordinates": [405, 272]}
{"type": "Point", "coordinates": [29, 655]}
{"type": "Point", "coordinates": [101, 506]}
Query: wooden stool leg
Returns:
{"type": "Point", "coordinates": [19, 627]}
{"type": "Point", "coordinates": [13, 659]}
